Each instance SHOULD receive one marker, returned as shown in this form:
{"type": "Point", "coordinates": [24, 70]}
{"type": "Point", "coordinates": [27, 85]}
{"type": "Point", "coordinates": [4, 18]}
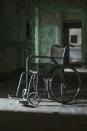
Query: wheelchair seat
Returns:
{"type": "Point", "coordinates": [67, 55]}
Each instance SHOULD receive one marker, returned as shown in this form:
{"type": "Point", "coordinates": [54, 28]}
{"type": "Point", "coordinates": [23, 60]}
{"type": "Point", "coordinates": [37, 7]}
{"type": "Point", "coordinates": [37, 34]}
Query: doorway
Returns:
{"type": "Point", "coordinates": [72, 38]}
{"type": "Point", "coordinates": [72, 33]}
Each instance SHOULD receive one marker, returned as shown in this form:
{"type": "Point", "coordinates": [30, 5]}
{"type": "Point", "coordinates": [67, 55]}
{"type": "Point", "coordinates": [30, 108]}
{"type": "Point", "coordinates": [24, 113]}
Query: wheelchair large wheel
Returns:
{"type": "Point", "coordinates": [64, 83]}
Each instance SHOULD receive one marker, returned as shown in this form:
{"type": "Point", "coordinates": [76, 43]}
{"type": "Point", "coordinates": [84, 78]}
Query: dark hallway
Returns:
{"type": "Point", "coordinates": [32, 27]}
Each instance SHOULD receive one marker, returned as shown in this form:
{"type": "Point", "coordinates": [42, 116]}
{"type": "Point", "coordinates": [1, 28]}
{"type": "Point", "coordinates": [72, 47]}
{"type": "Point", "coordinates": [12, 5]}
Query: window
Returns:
{"type": "Point", "coordinates": [74, 38]}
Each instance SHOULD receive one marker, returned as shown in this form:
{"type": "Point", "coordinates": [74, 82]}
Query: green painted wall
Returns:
{"type": "Point", "coordinates": [45, 28]}
{"type": "Point", "coordinates": [51, 19]}
{"type": "Point", "coordinates": [50, 30]}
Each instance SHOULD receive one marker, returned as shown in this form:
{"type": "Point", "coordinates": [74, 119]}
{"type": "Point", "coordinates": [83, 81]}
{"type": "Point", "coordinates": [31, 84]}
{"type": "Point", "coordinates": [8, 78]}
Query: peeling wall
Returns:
{"type": "Point", "coordinates": [7, 59]}
{"type": "Point", "coordinates": [50, 30]}
{"type": "Point", "coordinates": [14, 16]}
{"type": "Point", "coordinates": [52, 17]}
{"type": "Point", "coordinates": [15, 42]}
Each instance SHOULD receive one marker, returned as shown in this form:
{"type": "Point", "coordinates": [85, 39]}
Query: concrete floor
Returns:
{"type": "Point", "coordinates": [76, 107]}
{"type": "Point", "coordinates": [48, 115]}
